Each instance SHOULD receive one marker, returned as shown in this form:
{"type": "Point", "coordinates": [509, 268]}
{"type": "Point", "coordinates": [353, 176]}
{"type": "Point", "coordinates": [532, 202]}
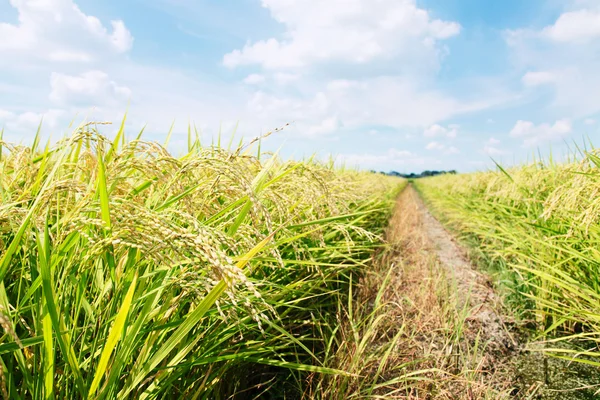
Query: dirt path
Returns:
{"type": "Point", "coordinates": [474, 289]}
{"type": "Point", "coordinates": [462, 329]}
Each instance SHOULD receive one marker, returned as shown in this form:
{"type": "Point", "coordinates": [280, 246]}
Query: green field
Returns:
{"type": "Point", "coordinates": [131, 273]}
{"type": "Point", "coordinates": [227, 272]}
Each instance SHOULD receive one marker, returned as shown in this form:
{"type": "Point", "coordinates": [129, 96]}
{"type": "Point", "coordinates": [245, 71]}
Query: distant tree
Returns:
{"type": "Point", "coordinates": [413, 175]}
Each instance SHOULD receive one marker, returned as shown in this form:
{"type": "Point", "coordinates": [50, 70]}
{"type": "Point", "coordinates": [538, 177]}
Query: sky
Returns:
{"type": "Point", "coordinates": [403, 85]}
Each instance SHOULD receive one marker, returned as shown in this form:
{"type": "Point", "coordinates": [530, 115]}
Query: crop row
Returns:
{"type": "Point", "coordinates": [128, 272]}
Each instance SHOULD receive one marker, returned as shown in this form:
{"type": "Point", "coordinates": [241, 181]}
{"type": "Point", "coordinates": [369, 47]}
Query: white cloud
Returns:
{"type": "Point", "coordinates": [355, 31]}
{"type": "Point", "coordinates": [573, 26]}
{"type": "Point", "coordinates": [434, 130]}
{"type": "Point", "coordinates": [434, 146]}
{"type": "Point", "coordinates": [297, 109]}
{"type": "Point", "coordinates": [539, 78]}
{"type": "Point", "coordinates": [535, 134]}
{"type": "Point", "coordinates": [254, 79]}
{"type": "Point", "coordinates": [326, 126]}
{"type": "Point", "coordinates": [25, 124]}
{"type": "Point", "coordinates": [399, 39]}
{"type": "Point", "coordinates": [70, 56]}
{"type": "Point", "coordinates": [559, 55]}
{"type": "Point", "coordinates": [58, 30]}
{"type": "Point", "coordinates": [400, 154]}
{"type": "Point", "coordinates": [121, 37]}
{"type": "Point", "coordinates": [491, 147]}
{"type": "Point", "coordinates": [393, 158]}
{"type": "Point", "coordinates": [590, 121]}
{"type": "Point", "coordinates": [394, 102]}
{"type": "Point", "coordinates": [493, 151]}
{"type": "Point", "coordinates": [5, 115]}
{"type": "Point", "coordinates": [438, 130]}
{"type": "Point", "coordinates": [89, 88]}
{"type": "Point", "coordinates": [440, 147]}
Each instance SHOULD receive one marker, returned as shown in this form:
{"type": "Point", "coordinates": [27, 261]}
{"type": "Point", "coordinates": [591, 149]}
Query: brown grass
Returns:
{"type": "Point", "coordinates": [439, 347]}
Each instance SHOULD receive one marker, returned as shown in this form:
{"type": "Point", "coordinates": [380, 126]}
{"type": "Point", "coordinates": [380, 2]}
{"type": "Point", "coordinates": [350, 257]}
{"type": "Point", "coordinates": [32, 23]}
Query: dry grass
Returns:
{"type": "Point", "coordinates": [410, 310]}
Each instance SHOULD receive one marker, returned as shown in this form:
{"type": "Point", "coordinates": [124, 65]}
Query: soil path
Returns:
{"type": "Point", "coordinates": [474, 289]}
{"type": "Point", "coordinates": [462, 329]}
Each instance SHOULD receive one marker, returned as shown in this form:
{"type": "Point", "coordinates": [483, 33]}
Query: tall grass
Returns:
{"type": "Point", "coordinates": [541, 223]}
{"type": "Point", "coordinates": [127, 272]}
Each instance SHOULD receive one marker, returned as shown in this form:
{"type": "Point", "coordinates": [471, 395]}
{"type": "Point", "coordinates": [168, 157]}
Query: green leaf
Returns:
{"type": "Point", "coordinates": [113, 337]}
{"type": "Point", "coordinates": [168, 139]}
{"type": "Point", "coordinates": [103, 192]}
{"type": "Point", "coordinates": [49, 355]}
{"type": "Point", "coordinates": [36, 139]}
{"type": "Point", "coordinates": [115, 144]}
{"type": "Point", "coordinates": [61, 332]}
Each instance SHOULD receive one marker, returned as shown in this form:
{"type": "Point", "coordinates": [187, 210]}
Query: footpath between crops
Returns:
{"type": "Point", "coordinates": [459, 330]}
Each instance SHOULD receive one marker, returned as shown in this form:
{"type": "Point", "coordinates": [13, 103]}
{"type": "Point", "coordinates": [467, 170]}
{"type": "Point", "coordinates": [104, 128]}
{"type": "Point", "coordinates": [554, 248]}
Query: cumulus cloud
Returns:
{"type": "Point", "coordinates": [493, 151]}
{"type": "Point", "coordinates": [392, 48]}
{"type": "Point", "coordinates": [440, 131]}
{"type": "Point", "coordinates": [491, 147]}
{"type": "Point", "coordinates": [266, 104]}
{"type": "Point", "coordinates": [532, 134]}
{"type": "Point", "coordinates": [566, 55]}
{"type": "Point", "coordinates": [590, 121]}
{"type": "Point", "coordinates": [57, 30]}
{"type": "Point", "coordinates": [328, 125]}
{"type": "Point", "coordinates": [394, 102]}
{"type": "Point", "coordinates": [27, 122]}
{"type": "Point", "coordinates": [338, 30]}
{"type": "Point", "coordinates": [92, 87]}
{"type": "Point", "coordinates": [572, 26]}
{"type": "Point", "coordinates": [435, 146]}
{"type": "Point", "coordinates": [440, 147]}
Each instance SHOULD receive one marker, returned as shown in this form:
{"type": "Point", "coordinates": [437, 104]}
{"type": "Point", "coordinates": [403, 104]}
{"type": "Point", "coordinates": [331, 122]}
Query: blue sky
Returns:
{"type": "Point", "coordinates": [401, 85]}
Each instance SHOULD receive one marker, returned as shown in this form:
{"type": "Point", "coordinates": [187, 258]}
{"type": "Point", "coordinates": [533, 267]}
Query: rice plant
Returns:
{"type": "Point", "coordinates": [127, 272]}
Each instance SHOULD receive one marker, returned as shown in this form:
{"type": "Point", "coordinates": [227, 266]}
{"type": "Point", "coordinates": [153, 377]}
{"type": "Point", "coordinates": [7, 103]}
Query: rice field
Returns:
{"type": "Point", "coordinates": [129, 272]}
{"type": "Point", "coordinates": [227, 272]}
{"type": "Point", "coordinates": [538, 227]}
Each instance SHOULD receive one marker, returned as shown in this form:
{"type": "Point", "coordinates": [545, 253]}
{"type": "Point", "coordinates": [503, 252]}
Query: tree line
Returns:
{"type": "Point", "coordinates": [413, 175]}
